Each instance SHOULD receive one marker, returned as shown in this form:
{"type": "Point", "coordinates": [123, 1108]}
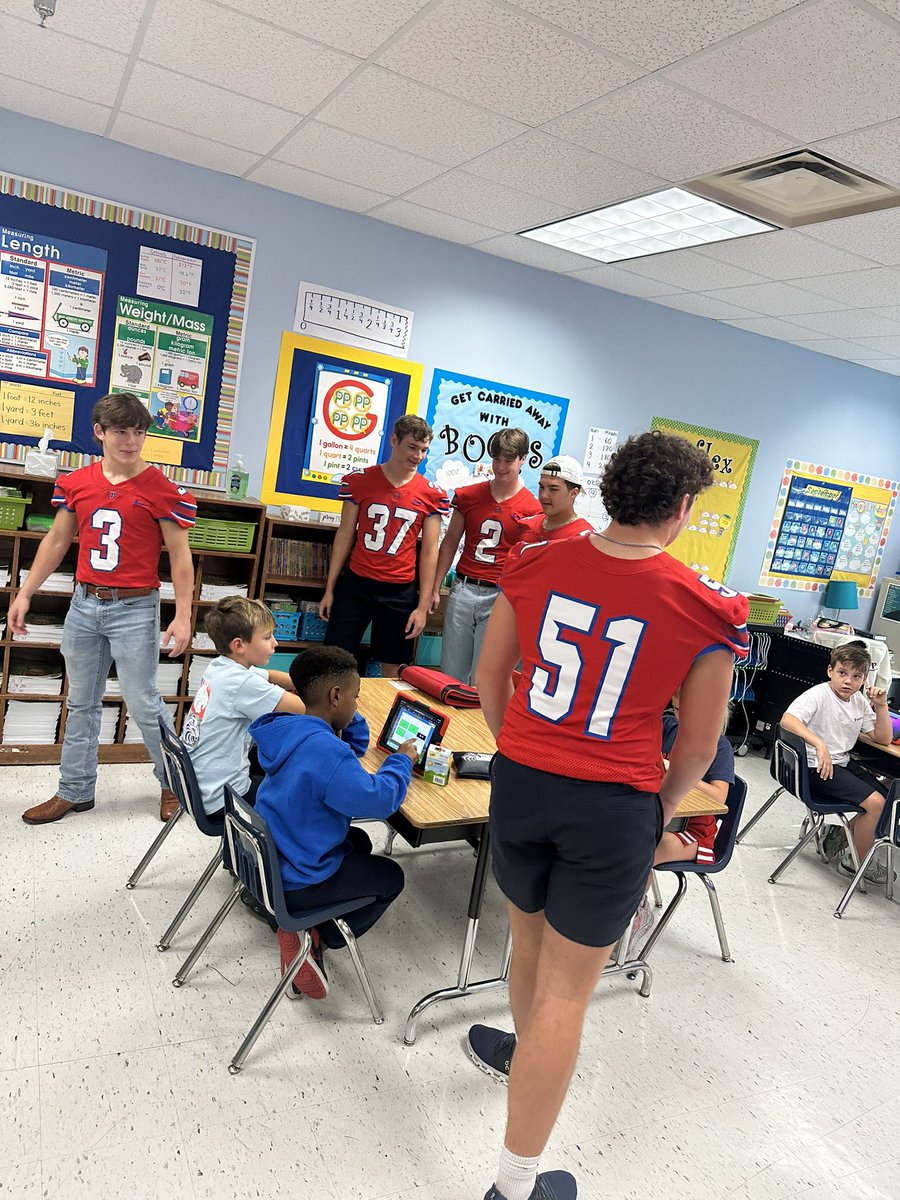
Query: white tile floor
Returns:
{"type": "Point", "coordinates": [772, 1077]}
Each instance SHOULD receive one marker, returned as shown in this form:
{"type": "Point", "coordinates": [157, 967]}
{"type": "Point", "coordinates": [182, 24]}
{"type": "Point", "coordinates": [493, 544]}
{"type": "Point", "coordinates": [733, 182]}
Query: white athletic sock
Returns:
{"type": "Point", "coordinates": [516, 1176]}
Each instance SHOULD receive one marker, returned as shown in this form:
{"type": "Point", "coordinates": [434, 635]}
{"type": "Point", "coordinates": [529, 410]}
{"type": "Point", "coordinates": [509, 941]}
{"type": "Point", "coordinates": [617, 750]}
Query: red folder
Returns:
{"type": "Point", "coordinates": [443, 687]}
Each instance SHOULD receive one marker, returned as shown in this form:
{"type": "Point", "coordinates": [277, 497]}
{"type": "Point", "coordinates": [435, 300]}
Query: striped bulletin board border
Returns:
{"type": "Point", "coordinates": [243, 249]}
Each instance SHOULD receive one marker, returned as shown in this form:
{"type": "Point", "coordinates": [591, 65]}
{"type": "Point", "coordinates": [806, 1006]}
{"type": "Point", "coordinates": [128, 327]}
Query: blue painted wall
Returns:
{"type": "Point", "coordinates": [620, 360]}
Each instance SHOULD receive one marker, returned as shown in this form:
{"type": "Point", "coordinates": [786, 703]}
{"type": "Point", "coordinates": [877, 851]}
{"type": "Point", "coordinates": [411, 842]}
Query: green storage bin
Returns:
{"type": "Point", "coordinates": [210, 534]}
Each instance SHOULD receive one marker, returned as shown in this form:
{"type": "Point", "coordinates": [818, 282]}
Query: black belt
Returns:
{"type": "Point", "coordinates": [485, 583]}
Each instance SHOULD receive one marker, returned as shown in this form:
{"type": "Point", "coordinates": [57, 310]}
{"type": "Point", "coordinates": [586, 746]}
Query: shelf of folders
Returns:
{"type": "Point", "coordinates": [290, 556]}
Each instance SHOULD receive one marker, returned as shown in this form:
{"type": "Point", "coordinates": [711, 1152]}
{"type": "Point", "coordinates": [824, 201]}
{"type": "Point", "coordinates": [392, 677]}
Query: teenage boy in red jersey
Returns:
{"type": "Point", "coordinates": [386, 507]}
{"type": "Point", "coordinates": [607, 628]}
{"type": "Point", "coordinates": [122, 510]}
{"type": "Point", "coordinates": [486, 517]}
{"type": "Point", "coordinates": [558, 488]}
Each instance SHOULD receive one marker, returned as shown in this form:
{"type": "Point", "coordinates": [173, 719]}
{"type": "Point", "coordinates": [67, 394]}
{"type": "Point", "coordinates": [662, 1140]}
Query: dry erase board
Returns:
{"type": "Point", "coordinates": [97, 297]}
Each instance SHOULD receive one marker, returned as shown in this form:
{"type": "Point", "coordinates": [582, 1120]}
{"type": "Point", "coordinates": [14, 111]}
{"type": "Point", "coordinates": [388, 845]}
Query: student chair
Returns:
{"type": "Point", "coordinates": [183, 782]}
{"type": "Point", "coordinates": [887, 834]}
{"type": "Point", "coordinates": [256, 869]}
{"type": "Point", "coordinates": [723, 848]}
{"type": "Point", "coordinates": [788, 768]}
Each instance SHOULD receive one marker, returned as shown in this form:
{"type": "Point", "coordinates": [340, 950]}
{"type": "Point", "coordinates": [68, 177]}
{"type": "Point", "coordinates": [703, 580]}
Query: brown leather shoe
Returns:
{"type": "Point", "coordinates": [168, 804]}
{"type": "Point", "coordinates": [53, 810]}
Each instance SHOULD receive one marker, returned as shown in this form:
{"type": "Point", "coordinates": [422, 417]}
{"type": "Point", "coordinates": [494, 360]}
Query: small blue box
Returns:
{"type": "Point", "coordinates": [428, 651]}
{"type": "Point", "coordinates": [286, 624]}
{"type": "Point", "coordinates": [312, 628]}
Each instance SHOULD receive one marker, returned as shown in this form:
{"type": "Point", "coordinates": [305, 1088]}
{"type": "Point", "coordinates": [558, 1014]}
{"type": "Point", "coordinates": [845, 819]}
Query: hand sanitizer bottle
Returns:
{"type": "Point", "coordinates": [238, 478]}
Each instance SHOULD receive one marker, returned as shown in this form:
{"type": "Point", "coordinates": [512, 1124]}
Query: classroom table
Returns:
{"type": "Point", "coordinates": [873, 754]}
{"type": "Point", "coordinates": [459, 812]}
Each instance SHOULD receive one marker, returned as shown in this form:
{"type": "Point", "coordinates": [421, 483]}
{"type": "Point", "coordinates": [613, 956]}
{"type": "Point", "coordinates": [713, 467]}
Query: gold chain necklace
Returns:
{"type": "Point", "coordinates": [640, 545]}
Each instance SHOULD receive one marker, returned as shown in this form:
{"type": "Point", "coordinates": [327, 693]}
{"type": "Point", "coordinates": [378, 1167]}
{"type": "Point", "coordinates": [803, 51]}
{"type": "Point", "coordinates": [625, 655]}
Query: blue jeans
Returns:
{"type": "Point", "coordinates": [96, 633]}
{"type": "Point", "coordinates": [468, 609]}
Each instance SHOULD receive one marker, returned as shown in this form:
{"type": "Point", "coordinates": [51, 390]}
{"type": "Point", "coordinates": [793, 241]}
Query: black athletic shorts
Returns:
{"type": "Point", "coordinates": [850, 784]}
{"type": "Point", "coordinates": [578, 850]}
{"type": "Point", "coordinates": [359, 600]}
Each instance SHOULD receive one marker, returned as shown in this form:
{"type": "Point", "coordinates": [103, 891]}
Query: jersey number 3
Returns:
{"type": "Point", "coordinates": [109, 522]}
{"type": "Point", "coordinates": [380, 514]}
{"type": "Point", "coordinates": [552, 692]}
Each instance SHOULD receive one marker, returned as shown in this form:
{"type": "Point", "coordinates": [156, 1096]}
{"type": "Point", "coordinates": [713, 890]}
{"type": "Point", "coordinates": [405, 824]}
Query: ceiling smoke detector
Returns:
{"type": "Point", "coordinates": [44, 9]}
{"type": "Point", "coordinates": [796, 189]}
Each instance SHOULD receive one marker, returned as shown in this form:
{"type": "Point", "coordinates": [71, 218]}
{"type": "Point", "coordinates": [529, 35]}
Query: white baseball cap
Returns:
{"type": "Point", "coordinates": [564, 466]}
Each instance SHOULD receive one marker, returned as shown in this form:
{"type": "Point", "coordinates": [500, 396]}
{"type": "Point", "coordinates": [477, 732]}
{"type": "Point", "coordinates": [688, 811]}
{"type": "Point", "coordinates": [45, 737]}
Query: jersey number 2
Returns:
{"type": "Point", "coordinates": [552, 693]}
{"type": "Point", "coordinates": [109, 522]}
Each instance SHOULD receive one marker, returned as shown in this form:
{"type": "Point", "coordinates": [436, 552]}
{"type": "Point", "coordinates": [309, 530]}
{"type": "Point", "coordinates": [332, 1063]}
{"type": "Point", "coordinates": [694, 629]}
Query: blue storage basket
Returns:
{"type": "Point", "coordinates": [286, 624]}
{"type": "Point", "coordinates": [312, 628]}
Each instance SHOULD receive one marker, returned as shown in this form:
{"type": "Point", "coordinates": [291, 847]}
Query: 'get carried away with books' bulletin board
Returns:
{"type": "Point", "coordinates": [333, 413]}
{"type": "Point", "coordinates": [97, 297]}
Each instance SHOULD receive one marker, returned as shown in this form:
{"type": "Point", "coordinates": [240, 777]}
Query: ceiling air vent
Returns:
{"type": "Point", "coordinates": [796, 189]}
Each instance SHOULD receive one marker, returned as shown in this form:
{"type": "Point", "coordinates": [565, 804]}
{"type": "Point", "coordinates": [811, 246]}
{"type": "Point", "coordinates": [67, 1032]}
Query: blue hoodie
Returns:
{"type": "Point", "coordinates": [314, 785]}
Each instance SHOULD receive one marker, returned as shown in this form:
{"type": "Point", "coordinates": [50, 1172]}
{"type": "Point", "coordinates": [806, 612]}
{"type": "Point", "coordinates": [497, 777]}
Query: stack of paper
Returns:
{"type": "Point", "coordinates": [4, 573]}
{"type": "Point", "coordinates": [199, 663]}
{"type": "Point", "coordinates": [57, 581]}
{"type": "Point", "coordinates": [166, 589]}
{"type": "Point", "coordinates": [213, 589]}
{"type": "Point", "coordinates": [109, 719]}
{"type": "Point", "coordinates": [168, 676]}
{"type": "Point", "coordinates": [202, 641]}
{"type": "Point", "coordinates": [41, 628]}
{"type": "Point", "coordinates": [30, 723]}
{"type": "Point", "coordinates": [35, 679]}
{"type": "Point", "coordinates": [133, 735]}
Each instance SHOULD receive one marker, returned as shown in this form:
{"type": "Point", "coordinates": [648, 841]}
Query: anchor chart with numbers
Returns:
{"type": "Point", "coordinates": [352, 320]}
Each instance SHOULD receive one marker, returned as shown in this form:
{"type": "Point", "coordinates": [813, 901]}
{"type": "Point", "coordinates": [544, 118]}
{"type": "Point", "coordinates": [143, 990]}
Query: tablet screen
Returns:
{"type": "Point", "coordinates": [407, 722]}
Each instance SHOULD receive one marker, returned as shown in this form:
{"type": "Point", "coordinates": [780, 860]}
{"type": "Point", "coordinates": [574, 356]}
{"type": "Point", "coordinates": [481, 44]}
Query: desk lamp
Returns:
{"type": "Point", "coordinates": [841, 593]}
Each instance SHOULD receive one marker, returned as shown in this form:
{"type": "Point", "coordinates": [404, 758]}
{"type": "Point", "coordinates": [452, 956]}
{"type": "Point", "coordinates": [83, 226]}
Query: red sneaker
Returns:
{"type": "Point", "coordinates": [311, 980]}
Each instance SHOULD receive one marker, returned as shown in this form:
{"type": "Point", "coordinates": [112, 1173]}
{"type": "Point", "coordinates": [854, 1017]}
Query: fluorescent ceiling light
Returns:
{"type": "Point", "coordinates": [654, 224]}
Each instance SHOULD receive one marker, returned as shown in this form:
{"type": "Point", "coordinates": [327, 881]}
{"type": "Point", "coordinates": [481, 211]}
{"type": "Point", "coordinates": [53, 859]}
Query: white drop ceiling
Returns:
{"type": "Point", "coordinates": [471, 120]}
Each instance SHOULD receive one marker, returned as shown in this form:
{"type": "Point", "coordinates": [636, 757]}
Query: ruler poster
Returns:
{"type": "Point", "coordinates": [707, 545]}
{"type": "Point", "coordinates": [353, 320]}
{"type": "Point", "coordinates": [828, 524]}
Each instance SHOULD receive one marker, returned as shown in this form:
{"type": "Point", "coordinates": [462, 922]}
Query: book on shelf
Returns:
{"type": "Point", "coordinates": [291, 557]}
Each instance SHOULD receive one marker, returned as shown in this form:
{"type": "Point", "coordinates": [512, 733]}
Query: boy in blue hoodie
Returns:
{"type": "Point", "coordinates": [314, 787]}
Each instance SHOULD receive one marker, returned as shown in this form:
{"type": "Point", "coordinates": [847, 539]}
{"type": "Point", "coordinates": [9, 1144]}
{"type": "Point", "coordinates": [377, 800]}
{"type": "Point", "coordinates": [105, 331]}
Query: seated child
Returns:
{"type": "Point", "coordinates": [830, 717]}
{"type": "Point", "coordinates": [695, 842]}
{"type": "Point", "coordinates": [312, 788]}
{"type": "Point", "coordinates": [234, 691]}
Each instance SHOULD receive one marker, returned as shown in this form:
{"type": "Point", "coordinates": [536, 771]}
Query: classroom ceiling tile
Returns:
{"type": "Point", "coordinates": [703, 306]}
{"type": "Point", "coordinates": [776, 299]}
{"type": "Point", "coordinates": [432, 223]}
{"type": "Point", "coordinates": [875, 150]}
{"type": "Point", "coordinates": [244, 55]}
{"type": "Point", "coordinates": [200, 108]}
{"type": "Point", "coordinates": [463, 195]}
{"type": "Point", "coordinates": [836, 347]}
{"type": "Point", "coordinates": [506, 62]}
{"type": "Point", "coordinates": [345, 24]}
{"type": "Point", "coordinates": [48, 58]}
{"type": "Point", "coordinates": [110, 23]}
{"type": "Point", "coordinates": [532, 254]}
{"type": "Point", "coordinates": [885, 345]}
{"type": "Point", "coordinates": [875, 288]}
{"type": "Point", "coordinates": [175, 143]}
{"type": "Point", "coordinates": [828, 67]}
{"type": "Point", "coordinates": [876, 234]}
{"type": "Point", "coordinates": [400, 112]}
{"type": "Point", "coordinates": [891, 366]}
{"type": "Point", "coordinates": [785, 254]}
{"type": "Point", "coordinates": [654, 32]}
{"type": "Point", "coordinates": [689, 270]}
{"type": "Point", "coordinates": [315, 187]}
{"type": "Point", "coordinates": [41, 102]}
{"type": "Point", "coordinates": [356, 160]}
{"type": "Point", "coordinates": [783, 331]}
{"type": "Point", "coordinates": [556, 170]}
{"type": "Point", "coordinates": [664, 131]}
{"type": "Point", "coordinates": [859, 322]}
{"type": "Point", "coordinates": [605, 275]}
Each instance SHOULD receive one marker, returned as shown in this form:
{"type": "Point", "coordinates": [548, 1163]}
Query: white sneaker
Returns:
{"type": "Point", "coordinates": [644, 920]}
{"type": "Point", "coordinates": [876, 872]}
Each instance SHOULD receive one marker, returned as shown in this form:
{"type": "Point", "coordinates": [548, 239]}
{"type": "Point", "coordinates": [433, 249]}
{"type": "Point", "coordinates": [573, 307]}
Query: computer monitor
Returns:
{"type": "Point", "coordinates": [886, 615]}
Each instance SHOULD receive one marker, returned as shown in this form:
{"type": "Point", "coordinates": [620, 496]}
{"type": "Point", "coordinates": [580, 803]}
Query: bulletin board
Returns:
{"type": "Point", "coordinates": [464, 411]}
{"type": "Point", "coordinates": [333, 412]}
{"type": "Point", "coordinates": [98, 297]}
{"type": "Point", "coordinates": [708, 543]}
{"type": "Point", "coordinates": [828, 524]}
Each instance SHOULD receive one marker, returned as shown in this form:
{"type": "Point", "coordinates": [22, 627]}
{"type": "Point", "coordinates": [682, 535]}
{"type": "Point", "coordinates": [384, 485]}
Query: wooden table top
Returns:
{"type": "Point", "coordinates": [462, 801]}
{"type": "Point", "coordinates": [893, 750]}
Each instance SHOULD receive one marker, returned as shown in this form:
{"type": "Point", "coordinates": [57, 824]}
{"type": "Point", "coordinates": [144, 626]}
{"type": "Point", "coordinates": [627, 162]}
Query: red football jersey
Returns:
{"type": "Point", "coordinates": [605, 642]}
{"type": "Point", "coordinates": [389, 522]}
{"type": "Point", "coordinates": [531, 530]}
{"type": "Point", "coordinates": [119, 536]}
{"type": "Point", "coordinates": [492, 527]}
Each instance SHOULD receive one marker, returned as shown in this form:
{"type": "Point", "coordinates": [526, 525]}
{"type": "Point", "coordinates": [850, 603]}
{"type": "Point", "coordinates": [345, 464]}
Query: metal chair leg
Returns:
{"type": "Point", "coordinates": [760, 813]}
{"type": "Point", "coordinates": [654, 887]}
{"type": "Point", "coordinates": [361, 973]}
{"type": "Point", "coordinates": [804, 841]}
{"type": "Point", "coordinates": [269, 1007]}
{"type": "Point", "coordinates": [151, 853]}
{"type": "Point", "coordinates": [851, 846]}
{"type": "Point", "coordinates": [166, 940]}
{"type": "Point", "coordinates": [856, 880]}
{"type": "Point", "coordinates": [666, 918]}
{"type": "Point", "coordinates": [389, 843]}
{"type": "Point", "coordinates": [206, 937]}
{"type": "Point", "coordinates": [889, 863]}
{"type": "Point", "coordinates": [717, 917]}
